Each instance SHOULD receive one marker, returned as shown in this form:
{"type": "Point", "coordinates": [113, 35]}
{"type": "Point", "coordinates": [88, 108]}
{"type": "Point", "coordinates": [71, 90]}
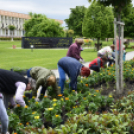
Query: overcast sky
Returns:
{"type": "Point", "coordinates": [55, 9]}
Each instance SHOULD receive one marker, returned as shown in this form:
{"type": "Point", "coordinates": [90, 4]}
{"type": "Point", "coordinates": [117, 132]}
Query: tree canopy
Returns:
{"type": "Point", "coordinates": [118, 5]}
{"type": "Point", "coordinates": [76, 19]}
{"type": "Point", "coordinates": [11, 27]}
{"type": "Point", "coordinates": [129, 24]}
{"type": "Point", "coordinates": [40, 26]}
{"type": "Point", "coordinates": [98, 22]}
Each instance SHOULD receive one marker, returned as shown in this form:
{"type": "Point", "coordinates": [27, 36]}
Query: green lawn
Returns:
{"type": "Point", "coordinates": [25, 58]}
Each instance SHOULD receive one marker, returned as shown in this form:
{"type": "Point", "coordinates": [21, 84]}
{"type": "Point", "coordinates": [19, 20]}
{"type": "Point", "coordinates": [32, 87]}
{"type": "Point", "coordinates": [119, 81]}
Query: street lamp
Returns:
{"type": "Point", "coordinates": [32, 46]}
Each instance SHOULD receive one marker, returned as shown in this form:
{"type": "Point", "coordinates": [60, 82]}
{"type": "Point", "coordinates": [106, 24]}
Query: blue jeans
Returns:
{"type": "Point", "coordinates": [62, 78]}
{"type": "Point", "coordinates": [124, 56]}
{"type": "Point", "coordinates": [3, 117]}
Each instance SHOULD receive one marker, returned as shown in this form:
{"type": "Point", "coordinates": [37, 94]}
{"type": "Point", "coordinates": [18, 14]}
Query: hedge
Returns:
{"type": "Point", "coordinates": [9, 38]}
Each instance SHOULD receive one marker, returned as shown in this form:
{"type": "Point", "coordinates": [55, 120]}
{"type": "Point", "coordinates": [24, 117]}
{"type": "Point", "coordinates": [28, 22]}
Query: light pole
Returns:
{"type": "Point", "coordinates": [32, 46]}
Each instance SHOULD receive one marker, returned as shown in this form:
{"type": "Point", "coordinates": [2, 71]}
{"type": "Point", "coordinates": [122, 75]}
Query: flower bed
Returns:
{"type": "Point", "coordinates": [91, 111]}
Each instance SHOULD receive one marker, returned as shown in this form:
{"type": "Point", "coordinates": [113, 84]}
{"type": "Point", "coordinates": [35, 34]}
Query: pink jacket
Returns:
{"type": "Point", "coordinates": [117, 42]}
{"type": "Point", "coordinates": [74, 51]}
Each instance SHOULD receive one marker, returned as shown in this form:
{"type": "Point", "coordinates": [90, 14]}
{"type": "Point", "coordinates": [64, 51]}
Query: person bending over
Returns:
{"type": "Point", "coordinates": [11, 85]}
{"type": "Point", "coordinates": [42, 77]}
{"type": "Point", "coordinates": [73, 68]}
{"type": "Point", "coordinates": [108, 52]}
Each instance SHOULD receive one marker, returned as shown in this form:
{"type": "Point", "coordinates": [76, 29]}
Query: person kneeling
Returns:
{"type": "Point", "coordinates": [97, 63]}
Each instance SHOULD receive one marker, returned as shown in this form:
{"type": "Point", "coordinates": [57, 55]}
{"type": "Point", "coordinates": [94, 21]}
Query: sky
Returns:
{"type": "Point", "coordinates": [55, 9]}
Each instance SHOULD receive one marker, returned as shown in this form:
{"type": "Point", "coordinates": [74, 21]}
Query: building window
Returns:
{"type": "Point", "coordinates": [6, 32]}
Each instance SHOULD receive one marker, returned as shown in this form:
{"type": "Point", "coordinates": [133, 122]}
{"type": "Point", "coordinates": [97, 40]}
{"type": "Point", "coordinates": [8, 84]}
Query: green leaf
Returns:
{"type": "Point", "coordinates": [80, 131]}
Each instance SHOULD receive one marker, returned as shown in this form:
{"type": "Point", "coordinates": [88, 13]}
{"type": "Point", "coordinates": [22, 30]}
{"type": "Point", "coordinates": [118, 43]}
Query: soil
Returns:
{"type": "Point", "coordinates": [110, 88]}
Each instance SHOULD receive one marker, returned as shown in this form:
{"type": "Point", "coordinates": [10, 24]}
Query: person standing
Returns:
{"type": "Point", "coordinates": [118, 44]}
{"type": "Point", "coordinates": [98, 63]}
{"type": "Point", "coordinates": [11, 84]}
{"type": "Point", "coordinates": [43, 77]}
{"type": "Point", "coordinates": [75, 50]}
{"type": "Point", "coordinates": [73, 68]}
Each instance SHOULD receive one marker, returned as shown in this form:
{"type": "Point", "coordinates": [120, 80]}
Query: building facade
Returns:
{"type": "Point", "coordinates": [17, 19]}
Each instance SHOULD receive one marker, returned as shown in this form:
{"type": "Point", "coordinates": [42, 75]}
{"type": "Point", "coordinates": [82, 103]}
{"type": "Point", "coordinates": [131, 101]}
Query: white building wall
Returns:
{"type": "Point", "coordinates": [5, 21]}
{"type": "Point", "coordinates": [0, 25]}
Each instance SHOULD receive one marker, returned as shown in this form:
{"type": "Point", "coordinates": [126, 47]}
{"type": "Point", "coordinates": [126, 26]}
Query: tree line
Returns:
{"type": "Point", "coordinates": [96, 21]}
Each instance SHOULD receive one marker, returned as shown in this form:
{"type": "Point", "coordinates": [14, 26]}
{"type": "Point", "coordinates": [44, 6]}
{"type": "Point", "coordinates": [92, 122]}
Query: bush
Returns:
{"type": "Point", "coordinates": [5, 38]}
{"type": "Point", "coordinates": [16, 38]}
{"type": "Point", "coordinates": [8, 38]}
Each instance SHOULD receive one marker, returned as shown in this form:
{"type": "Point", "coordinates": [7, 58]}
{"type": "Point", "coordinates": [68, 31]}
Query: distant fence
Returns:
{"type": "Point", "coordinates": [46, 42]}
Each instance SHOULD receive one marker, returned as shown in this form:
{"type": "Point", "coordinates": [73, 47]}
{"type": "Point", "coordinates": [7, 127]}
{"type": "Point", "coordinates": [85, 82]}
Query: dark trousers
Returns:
{"type": "Point", "coordinates": [110, 62]}
{"type": "Point", "coordinates": [43, 90]}
{"type": "Point", "coordinates": [95, 68]}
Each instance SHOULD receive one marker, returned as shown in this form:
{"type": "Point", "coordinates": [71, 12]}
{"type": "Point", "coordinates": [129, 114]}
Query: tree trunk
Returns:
{"type": "Point", "coordinates": [120, 56]}
{"type": "Point", "coordinates": [98, 44]}
{"type": "Point", "coordinates": [12, 36]}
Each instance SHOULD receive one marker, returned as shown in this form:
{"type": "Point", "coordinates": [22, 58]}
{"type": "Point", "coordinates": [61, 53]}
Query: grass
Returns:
{"type": "Point", "coordinates": [25, 58]}
{"type": "Point", "coordinates": [48, 58]}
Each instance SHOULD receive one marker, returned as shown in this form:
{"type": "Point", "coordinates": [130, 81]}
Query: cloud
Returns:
{"type": "Point", "coordinates": [17, 6]}
{"type": "Point", "coordinates": [47, 7]}
{"type": "Point", "coordinates": [55, 9]}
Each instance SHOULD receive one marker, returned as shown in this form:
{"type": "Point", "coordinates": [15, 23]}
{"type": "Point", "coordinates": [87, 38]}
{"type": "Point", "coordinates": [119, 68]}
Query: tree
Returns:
{"type": "Point", "coordinates": [11, 28]}
{"type": "Point", "coordinates": [129, 25]}
{"type": "Point", "coordinates": [98, 22]}
{"type": "Point", "coordinates": [76, 19]}
{"type": "Point", "coordinates": [118, 5]}
{"type": "Point", "coordinates": [70, 33]}
{"type": "Point", "coordinates": [40, 26]}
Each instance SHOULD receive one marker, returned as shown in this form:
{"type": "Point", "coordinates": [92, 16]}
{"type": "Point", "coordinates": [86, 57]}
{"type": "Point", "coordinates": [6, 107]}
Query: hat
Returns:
{"type": "Point", "coordinates": [85, 71]}
{"type": "Point", "coordinates": [79, 41]}
{"type": "Point", "coordinates": [51, 80]}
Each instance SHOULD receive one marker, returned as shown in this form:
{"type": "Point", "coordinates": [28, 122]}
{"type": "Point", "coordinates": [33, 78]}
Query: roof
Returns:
{"type": "Point", "coordinates": [14, 14]}
{"type": "Point", "coordinates": [20, 15]}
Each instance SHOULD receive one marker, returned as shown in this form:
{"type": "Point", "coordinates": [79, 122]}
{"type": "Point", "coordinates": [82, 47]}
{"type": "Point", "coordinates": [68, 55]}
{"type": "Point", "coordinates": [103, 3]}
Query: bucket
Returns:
{"type": "Point", "coordinates": [14, 46]}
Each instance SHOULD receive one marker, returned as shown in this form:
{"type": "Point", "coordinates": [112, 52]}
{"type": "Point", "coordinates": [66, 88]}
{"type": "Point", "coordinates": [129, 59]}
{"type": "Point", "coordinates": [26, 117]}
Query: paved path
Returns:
{"type": "Point", "coordinates": [129, 56]}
